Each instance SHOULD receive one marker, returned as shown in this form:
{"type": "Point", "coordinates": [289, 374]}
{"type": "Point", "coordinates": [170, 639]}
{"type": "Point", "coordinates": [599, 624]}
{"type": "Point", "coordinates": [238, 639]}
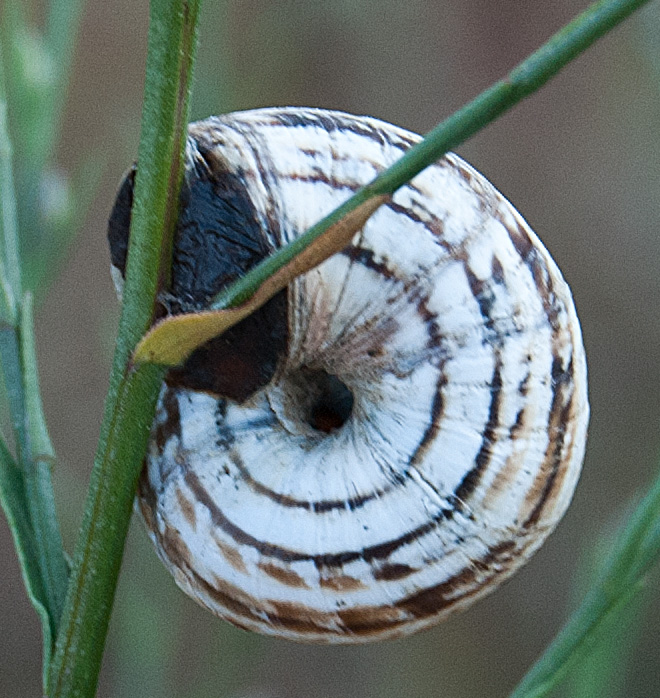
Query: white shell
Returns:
{"type": "Point", "coordinates": [457, 335]}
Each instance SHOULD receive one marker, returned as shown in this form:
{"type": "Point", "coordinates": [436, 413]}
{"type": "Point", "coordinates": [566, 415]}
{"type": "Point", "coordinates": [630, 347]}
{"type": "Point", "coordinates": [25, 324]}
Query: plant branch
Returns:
{"type": "Point", "coordinates": [133, 392]}
{"type": "Point", "coordinates": [526, 78]}
{"type": "Point", "coordinates": [37, 467]}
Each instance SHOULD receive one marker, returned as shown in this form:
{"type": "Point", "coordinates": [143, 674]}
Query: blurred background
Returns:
{"type": "Point", "coordinates": [580, 160]}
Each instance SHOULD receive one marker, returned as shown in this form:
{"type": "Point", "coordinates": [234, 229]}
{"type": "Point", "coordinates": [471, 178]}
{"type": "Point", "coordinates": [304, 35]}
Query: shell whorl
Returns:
{"type": "Point", "coordinates": [449, 339]}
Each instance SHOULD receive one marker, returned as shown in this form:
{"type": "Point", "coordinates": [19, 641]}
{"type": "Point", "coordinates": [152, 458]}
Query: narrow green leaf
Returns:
{"type": "Point", "coordinates": [10, 363]}
{"type": "Point", "coordinates": [601, 672]}
{"type": "Point", "coordinates": [635, 551]}
{"type": "Point", "coordinates": [14, 503]}
{"type": "Point", "coordinates": [38, 432]}
{"type": "Point", "coordinates": [38, 483]}
{"type": "Point", "coordinates": [10, 278]}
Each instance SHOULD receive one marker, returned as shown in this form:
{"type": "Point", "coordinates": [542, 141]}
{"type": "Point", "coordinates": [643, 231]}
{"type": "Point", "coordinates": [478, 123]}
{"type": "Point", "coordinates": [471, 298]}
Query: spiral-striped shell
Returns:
{"type": "Point", "coordinates": [392, 436]}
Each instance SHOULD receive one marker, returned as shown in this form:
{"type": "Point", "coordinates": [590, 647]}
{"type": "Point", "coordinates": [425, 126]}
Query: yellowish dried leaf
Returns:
{"type": "Point", "coordinates": [170, 341]}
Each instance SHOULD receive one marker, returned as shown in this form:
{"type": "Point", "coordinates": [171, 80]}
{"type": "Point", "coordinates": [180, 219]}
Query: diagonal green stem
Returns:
{"type": "Point", "coordinates": [132, 396]}
{"type": "Point", "coordinates": [635, 552]}
{"type": "Point", "coordinates": [526, 78]}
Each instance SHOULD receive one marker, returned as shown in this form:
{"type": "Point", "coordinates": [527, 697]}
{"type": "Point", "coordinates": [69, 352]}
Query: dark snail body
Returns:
{"type": "Point", "coordinates": [392, 436]}
{"type": "Point", "coordinates": [217, 240]}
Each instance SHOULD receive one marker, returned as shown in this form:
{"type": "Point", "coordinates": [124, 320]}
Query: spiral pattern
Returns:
{"type": "Point", "coordinates": [423, 426]}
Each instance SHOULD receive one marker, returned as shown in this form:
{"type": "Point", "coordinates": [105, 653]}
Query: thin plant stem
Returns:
{"type": "Point", "coordinates": [38, 481]}
{"type": "Point", "coordinates": [526, 78]}
{"type": "Point", "coordinates": [133, 391]}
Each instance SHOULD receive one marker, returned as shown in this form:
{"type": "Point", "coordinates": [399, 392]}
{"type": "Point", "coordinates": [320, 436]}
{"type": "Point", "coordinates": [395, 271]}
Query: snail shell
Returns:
{"type": "Point", "coordinates": [392, 436]}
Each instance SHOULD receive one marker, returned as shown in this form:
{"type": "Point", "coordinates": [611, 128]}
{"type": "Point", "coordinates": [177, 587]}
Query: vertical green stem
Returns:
{"type": "Point", "coordinates": [132, 397]}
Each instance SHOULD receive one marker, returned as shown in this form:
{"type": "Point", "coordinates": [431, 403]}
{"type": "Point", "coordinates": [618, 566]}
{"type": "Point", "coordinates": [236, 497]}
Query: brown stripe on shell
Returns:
{"type": "Point", "coordinates": [554, 467]}
{"type": "Point", "coordinates": [171, 425]}
{"type": "Point", "coordinates": [496, 270]}
{"type": "Point", "coordinates": [365, 621]}
{"type": "Point", "coordinates": [319, 506]}
{"type": "Point", "coordinates": [371, 620]}
{"type": "Point", "coordinates": [287, 577]}
{"type": "Point", "coordinates": [305, 118]}
{"type": "Point", "coordinates": [187, 509]}
{"type": "Point", "coordinates": [433, 224]}
{"type": "Point", "coordinates": [147, 499]}
{"type": "Point", "coordinates": [393, 571]}
{"type": "Point", "coordinates": [519, 237]}
{"type": "Point", "coordinates": [232, 555]}
{"type": "Point", "coordinates": [322, 178]}
{"type": "Point", "coordinates": [299, 618]}
{"type": "Point", "coordinates": [339, 582]}
{"type": "Point", "coordinates": [545, 287]}
{"type": "Point", "coordinates": [375, 552]}
{"type": "Point", "coordinates": [248, 612]}
{"type": "Point", "coordinates": [366, 258]}
{"type": "Point", "coordinates": [229, 597]}
{"type": "Point", "coordinates": [471, 480]}
{"type": "Point", "coordinates": [360, 621]}
{"type": "Point", "coordinates": [468, 582]}
{"type": "Point", "coordinates": [174, 545]}
{"type": "Point", "coordinates": [437, 412]}
{"type": "Point", "coordinates": [485, 298]}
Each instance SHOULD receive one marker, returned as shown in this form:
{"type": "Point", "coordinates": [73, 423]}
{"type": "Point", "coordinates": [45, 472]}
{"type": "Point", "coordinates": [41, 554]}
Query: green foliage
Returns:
{"type": "Point", "coordinates": [26, 491]}
{"type": "Point", "coordinates": [635, 551]}
{"type": "Point", "coordinates": [38, 67]}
